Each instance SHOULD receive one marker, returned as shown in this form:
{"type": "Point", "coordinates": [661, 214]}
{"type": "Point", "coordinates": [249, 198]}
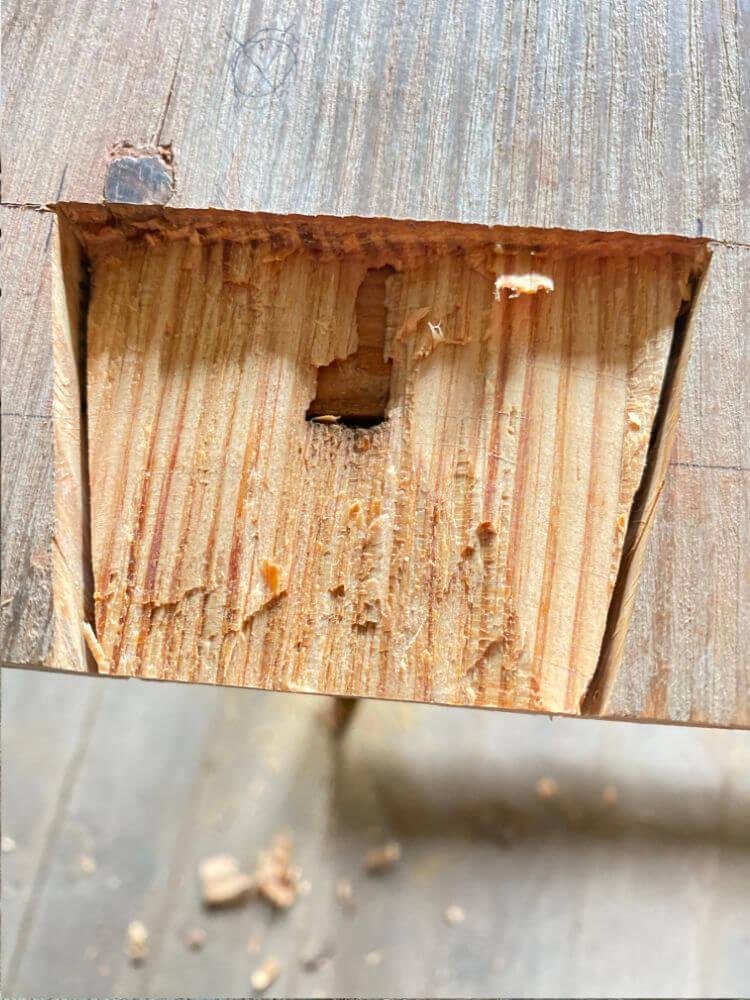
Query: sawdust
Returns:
{"type": "Point", "coordinates": [380, 859]}
{"type": "Point", "coordinates": [345, 894]}
{"type": "Point", "coordinates": [547, 788]}
{"type": "Point", "coordinates": [195, 939]}
{"type": "Point", "coordinates": [222, 881]}
{"type": "Point", "coordinates": [136, 945]}
{"type": "Point", "coordinates": [276, 878]}
{"type": "Point", "coordinates": [266, 973]}
{"type": "Point", "coordinates": [454, 915]}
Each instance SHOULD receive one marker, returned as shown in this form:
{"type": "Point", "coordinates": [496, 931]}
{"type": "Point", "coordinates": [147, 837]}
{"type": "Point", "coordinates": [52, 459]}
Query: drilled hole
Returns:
{"type": "Point", "coordinates": [355, 390]}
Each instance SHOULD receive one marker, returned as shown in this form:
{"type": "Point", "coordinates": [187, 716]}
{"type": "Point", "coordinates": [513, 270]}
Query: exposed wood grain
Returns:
{"type": "Point", "coordinates": [463, 551]}
{"type": "Point", "coordinates": [587, 116]}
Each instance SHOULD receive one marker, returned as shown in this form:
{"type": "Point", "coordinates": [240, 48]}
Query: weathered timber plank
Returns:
{"type": "Point", "coordinates": [687, 656]}
{"type": "Point", "coordinates": [586, 116]}
{"type": "Point", "coordinates": [44, 516]}
{"type": "Point", "coordinates": [27, 452]}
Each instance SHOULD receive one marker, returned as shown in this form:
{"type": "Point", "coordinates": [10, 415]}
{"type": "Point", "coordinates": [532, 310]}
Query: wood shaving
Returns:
{"type": "Point", "coordinates": [634, 420]}
{"type": "Point", "coordinates": [547, 788]}
{"type": "Point", "coordinates": [523, 284]}
{"type": "Point", "coordinates": [222, 881]}
{"type": "Point", "coordinates": [195, 939]}
{"type": "Point", "coordinates": [373, 958]}
{"type": "Point", "coordinates": [87, 864]}
{"type": "Point", "coordinates": [265, 974]}
{"type": "Point", "coordinates": [381, 858]}
{"type": "Point", "coordinates": [275, 877]}
{"type": "Point", "coordinates": [95, 648]}
{"type": "Point", "coordinates": [7, 845]}
{"type": "Point", "coordinates": [454, 915]}
{"type": "Point", "coordinates": [136, 946]}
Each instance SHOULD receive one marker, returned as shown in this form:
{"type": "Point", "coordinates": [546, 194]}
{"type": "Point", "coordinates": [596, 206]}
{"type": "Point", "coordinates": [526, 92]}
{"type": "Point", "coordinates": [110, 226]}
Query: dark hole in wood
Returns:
{"type": "Point", "coordinates": [355, 390]}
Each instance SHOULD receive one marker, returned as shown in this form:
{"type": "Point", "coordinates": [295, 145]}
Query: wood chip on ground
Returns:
{"type": "Point", "coordinates": [382, 858]}
{"type": "Point", "coordinates": [266, 973]}
{"type": "Point", "coordinates": [345, 893]}
{"type": "Point", "coordinates": [454, 915]}
{"type": "Point", "coordinates": [547, 788]}
{"type": "Point", "coordinates": [275, 877]}
{"type": "Point", "coordinates": [136, 946]}
{"type": "Point", "coordinates": [195, 938]}
{"type": "Point", "coordinates": [222, 881]}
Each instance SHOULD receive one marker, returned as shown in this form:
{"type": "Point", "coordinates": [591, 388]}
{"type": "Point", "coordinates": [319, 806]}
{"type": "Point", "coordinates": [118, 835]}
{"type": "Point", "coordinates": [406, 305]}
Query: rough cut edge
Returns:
{"type": "Point", "coordinates": [595, 701]}
{"type": "Point", "coordinates": [338, 235]}
{"type": "Point", "coordinates": [71, 556]}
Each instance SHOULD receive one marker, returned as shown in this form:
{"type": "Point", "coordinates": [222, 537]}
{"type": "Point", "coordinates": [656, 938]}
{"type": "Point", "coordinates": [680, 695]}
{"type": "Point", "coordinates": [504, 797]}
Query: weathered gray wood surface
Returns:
{"type": "Point", "coordinates": [688, 652]}
{"type": "Point", "coordinates": [27, 447]}
{"type": "Point", "coordinates": [591, 115]}
{"type": "Point", "coordinates": [570, 896]}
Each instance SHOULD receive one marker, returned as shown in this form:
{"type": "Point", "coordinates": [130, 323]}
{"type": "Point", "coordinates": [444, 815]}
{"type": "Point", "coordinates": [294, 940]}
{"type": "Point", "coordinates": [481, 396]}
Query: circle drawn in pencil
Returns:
{"type": "Point", "coordinates": [264, 64]}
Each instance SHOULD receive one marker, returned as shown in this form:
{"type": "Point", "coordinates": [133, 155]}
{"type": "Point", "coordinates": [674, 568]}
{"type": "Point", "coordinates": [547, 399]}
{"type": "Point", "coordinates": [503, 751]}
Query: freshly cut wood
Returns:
{"type": "Point", "coordinates": [452, 532]}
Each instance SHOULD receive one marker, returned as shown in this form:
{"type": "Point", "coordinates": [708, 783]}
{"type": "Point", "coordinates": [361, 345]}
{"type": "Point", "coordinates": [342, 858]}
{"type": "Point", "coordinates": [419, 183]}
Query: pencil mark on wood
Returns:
{"type": "Point", "coordinates": [264, 64]}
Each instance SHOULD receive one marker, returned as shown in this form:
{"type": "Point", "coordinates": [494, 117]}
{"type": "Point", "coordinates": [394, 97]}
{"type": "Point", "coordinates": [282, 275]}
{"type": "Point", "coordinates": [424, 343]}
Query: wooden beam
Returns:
{"type": "Point", "coordinates": [45, 556]}
{"type": "Point", "coordinates": [535, 114]}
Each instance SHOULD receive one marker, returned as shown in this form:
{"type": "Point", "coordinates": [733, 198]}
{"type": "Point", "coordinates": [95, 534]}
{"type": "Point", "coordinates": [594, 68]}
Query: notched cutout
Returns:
{"type": "Point", "coordinates": [354, 391]}
{"type": "Point", "coordinates": [465, 552]}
